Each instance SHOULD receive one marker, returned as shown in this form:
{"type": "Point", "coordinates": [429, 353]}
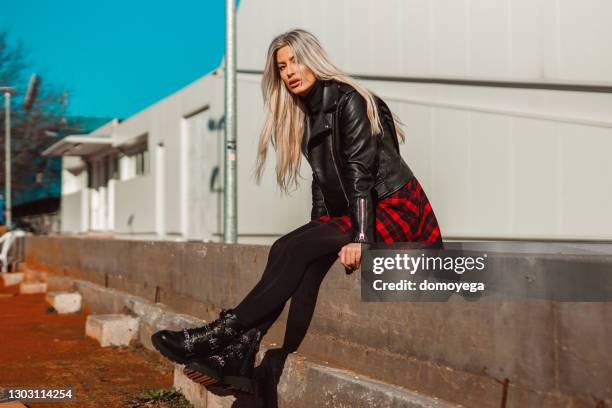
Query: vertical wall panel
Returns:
{"type": "Point", "coordinates": [549, 39]}
{"type": "Point", "coordinates": [491, 197]}
{"type": "Point", "coordinates": [417, 150]}
{"type": "Point", "coordinates": [585, 29]}
{"type": "Point", "coordinates": [360, 38]}
{"type": "Point", "coordinates": [415, 52]}
{"type": "Point", "coordinates": [488, 37]}
{"type": "Point", "coordinates": [451, 148]}
{"type": "Point", "coordinates": [450, 47]}
{"type": "Point", "coordinates": [526, 41]}
{"type": "Point", "coordinates": [536, 176]}
{"type": "Point", "coordinates": [587, 180]}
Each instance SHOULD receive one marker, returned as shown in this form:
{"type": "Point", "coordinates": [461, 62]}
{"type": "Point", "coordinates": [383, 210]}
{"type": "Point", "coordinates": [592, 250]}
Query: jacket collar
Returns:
{"type": "Point", "coordinates": [321, 123]}
{"type": "Point", "coordinates": [330, 96]}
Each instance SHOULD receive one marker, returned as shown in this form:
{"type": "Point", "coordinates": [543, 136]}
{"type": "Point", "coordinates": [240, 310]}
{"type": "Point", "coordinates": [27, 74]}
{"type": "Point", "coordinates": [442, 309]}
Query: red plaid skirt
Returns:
{"type": "Point", "coordinates": [404, 216]}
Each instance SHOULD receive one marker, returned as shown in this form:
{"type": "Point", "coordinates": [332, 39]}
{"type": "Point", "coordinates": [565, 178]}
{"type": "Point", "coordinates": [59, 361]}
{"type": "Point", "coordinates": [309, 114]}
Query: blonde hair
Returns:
{"type": "Point", "coordinates": [284, 123]}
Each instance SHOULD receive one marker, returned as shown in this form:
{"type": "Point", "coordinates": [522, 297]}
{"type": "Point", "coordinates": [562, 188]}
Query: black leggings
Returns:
{"type": "Point", "coordinates": [309, 250]}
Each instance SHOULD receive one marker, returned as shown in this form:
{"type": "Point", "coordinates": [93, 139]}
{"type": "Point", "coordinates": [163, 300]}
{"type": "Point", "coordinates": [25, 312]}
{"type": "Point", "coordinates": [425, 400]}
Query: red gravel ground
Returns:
{"type": "Point", "coordinates": [39, 348]}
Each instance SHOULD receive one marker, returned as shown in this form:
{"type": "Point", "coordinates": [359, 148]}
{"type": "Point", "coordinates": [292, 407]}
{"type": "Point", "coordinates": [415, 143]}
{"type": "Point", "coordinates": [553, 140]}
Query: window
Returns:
{"type": "Point", "coordinates": [134, 158]}
{"type": "Point", "coordinates": [115, 166]}
{"type": "Point", "coordinates": [142, 163]}
{"type": "Point", "coordinates": [89, 174]}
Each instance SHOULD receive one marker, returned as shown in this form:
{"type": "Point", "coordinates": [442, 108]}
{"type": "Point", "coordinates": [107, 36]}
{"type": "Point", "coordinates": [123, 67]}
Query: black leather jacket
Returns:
{"type": "Point", "coordinates": [352, 169]}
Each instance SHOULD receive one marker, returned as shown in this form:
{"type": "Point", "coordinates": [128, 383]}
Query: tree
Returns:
{"type": "Point", "coordinates": [30, 129]}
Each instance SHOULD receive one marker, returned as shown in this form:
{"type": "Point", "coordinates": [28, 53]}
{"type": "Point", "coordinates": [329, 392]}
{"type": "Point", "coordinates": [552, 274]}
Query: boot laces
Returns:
{"type": "Point", "coordinates": [219, 360]}
{"type": "Point", "coordinates": [204, 332]}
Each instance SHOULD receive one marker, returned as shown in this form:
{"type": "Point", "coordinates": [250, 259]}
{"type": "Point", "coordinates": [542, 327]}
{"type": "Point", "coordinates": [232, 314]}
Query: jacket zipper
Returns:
{"type": "Point", "coordinates": [361, 218]}
{"type": "Point", "coordinates": [361, 236]}
{"type": "Point", "coordinates": [334, 161]}
{"type": "Point", "coordinates": [361, 200]}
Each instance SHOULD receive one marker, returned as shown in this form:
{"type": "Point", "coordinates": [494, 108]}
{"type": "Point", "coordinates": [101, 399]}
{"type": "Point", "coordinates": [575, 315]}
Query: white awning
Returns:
{"type": "Point", "coordinates": [78, 145]}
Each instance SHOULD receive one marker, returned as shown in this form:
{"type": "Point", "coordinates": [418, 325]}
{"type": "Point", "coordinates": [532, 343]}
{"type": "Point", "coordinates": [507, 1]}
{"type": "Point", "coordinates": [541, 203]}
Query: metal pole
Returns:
{"type": "Point", "coordinates": [229, 192]}
{"type": "Point", "coordinates": [7, 158]}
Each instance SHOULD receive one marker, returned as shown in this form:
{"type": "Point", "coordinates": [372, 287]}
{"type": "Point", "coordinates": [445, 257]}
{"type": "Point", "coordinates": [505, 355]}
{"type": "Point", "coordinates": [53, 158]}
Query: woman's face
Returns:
{"type": "Point", "coordinates": [289, 71]}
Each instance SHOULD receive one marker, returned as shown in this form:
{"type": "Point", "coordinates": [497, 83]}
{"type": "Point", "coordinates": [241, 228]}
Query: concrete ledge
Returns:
{"type": "Point", "coordinates": [194, 392]}
{"type": "Point", "coordinates": [26, 288]}
{"type": "Point", "coordinates": [152, 316]}
{"type": "Point", "coordinates": [302, 383]}
{"type": "Point", "coordinates": [64, 302]}
{"type": "Point", "coordinates": [12, 278]}
{"type": "Point", "coordinates": [34, 275]}
{"type": "Point", "coordinates": [305, 384]}
{"type": "Point", "coordinates": [215, 397]}
{"type": "Point", "coordinates": [548, 354]}
{"type": "Point", "coordinates": [61, 284]}
{"type": "Point", "coordinates": [112, 329]}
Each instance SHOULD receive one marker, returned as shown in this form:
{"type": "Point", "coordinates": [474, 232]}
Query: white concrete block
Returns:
{"type": "Point", "coordinates": [222, 401]}
{"type": "Point", "coordinates": [32, 287]}
{"type": "Point", "coordinates": [12, 278]}
{"type": "Point", "coordinates": [194, 392]}
{"type": "Point", "coordinates": [64, 302]}
{"type": "Point", "coordinates": [112, 329]}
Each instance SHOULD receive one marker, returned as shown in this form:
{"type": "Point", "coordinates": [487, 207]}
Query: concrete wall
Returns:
{"type": "Point", "coordinates": [548, 354]}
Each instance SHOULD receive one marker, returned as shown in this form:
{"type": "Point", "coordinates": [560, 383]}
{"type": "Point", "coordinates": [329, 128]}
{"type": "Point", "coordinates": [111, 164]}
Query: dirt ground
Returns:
{"type": "Point", "coordinates": [40, 348]}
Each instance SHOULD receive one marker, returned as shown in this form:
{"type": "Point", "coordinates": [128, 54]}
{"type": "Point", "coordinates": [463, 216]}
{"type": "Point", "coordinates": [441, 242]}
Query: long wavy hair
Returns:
{"type": "Point", "coordinates": [284, 123]}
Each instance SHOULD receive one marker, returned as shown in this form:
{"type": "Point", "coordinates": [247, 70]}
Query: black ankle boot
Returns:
{"type": "Point", "coordinates": [231, 367]}
{"type": "Point", "coordinates": [187, 345]}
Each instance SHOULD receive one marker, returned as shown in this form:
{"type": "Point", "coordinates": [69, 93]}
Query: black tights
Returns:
{"type": "Point", "coordinates": [303, 255]}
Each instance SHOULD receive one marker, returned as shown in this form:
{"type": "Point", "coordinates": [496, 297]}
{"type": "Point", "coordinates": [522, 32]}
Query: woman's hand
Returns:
{"type": "Point", "coordinates": [350, 255]}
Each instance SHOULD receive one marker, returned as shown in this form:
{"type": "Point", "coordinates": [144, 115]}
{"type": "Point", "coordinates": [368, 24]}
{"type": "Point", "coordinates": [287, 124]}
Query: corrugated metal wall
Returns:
{"type": "Point", "coordinates": [497, 158]}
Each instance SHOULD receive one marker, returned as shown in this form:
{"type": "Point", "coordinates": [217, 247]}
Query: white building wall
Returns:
{"type": "Point", "coordinates": [72, 171]}
{"type": "Point", "coordinates": [70, 212]}
{"type": "Point", "coordinates": [544, 40]}
{"type": "Point", "coordinates": [262, 214]}
{"type": "Point", "coordinates": [162, 123]}
{"type": "Point", "coordinates": [134, 206]}
{"type": "Point", "coordinates": [74, 180]}
{"type": "Point", "coordinates": [496, 162]}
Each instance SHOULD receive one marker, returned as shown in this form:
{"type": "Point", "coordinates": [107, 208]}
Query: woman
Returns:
{"type": "Point", "coordinates": [362, 192]}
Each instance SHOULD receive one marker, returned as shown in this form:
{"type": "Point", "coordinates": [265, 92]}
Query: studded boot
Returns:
{"type": "Point", "coordinates": [231, 367]}
{"type": "Point", "coordinates": [187, 345]}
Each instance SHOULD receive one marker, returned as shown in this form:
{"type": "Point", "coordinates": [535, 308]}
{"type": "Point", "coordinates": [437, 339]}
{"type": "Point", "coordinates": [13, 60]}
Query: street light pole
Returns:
{"type": "Point", "coordinates": [229, 191]}
{"type": "Point", "coordinates": [8, 91]}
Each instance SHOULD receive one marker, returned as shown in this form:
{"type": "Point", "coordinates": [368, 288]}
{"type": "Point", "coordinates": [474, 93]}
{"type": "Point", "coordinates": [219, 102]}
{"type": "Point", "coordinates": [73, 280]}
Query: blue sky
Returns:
{"type": "Point", "coordinates": [118, 57]}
